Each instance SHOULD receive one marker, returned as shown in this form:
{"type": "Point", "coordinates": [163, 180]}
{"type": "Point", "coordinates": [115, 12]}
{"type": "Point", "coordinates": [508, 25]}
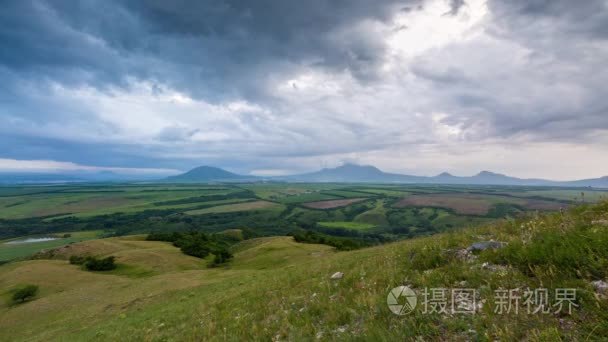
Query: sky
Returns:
{"type": "Point", "coordinates": [274, 87]}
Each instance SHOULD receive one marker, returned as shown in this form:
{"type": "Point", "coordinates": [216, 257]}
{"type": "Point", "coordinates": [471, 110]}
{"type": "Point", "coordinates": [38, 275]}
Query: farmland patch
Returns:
{"type": "Point", "coordinates": [333, 203]}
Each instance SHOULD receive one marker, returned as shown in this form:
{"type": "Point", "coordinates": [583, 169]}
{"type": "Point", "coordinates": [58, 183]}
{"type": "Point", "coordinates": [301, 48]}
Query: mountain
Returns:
{"type": "Point", "coordinates": [346, 173]}
{"type": "Point", "coordinates": [601, 182]}
{"type": "Point", "coordinates": [349, 173]}
{"type": "Point", "coordinates": [485, 177]}
{"type": "Point", "coordinates": [29, 177]}
{"type": "Point", "coordinates": [208, 174]}
{"type": "Point", "coordinates": [365, 173]}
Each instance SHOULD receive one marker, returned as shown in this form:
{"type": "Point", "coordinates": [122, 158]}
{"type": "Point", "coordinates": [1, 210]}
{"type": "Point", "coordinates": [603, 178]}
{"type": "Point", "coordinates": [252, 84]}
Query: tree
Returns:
{"type": "Point", "coordinates": [25, 293]}
{"type": "Point", "coordinates": [105, 264]}
{"type": "Point", "coordinates": [196, 248]}
{"type": "Point", "coordinates": [77, 260]}
{"type": "Point", "coordinates": [221, 256]}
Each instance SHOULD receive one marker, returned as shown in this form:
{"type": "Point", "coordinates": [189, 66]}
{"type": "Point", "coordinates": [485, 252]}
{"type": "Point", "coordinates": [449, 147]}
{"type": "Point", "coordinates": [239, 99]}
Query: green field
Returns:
{"type": "Point", "coordinates": [229, 208]}
{"type": "Point", "coordinates": [347, 225]}
{"type": "Point", "coordinates": [83, 201]}
{"type": "Point", "coordinates": [384, 192]}
{"type": "Point", "coordinates": [375, 216]}
{"type": "Point", "coordinates": [277, 289]}
{"type": "Point", "coordinates": [268, 208]}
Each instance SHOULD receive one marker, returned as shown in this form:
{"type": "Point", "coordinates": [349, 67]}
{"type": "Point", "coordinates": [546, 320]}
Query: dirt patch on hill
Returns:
{"type": "Point", "coordinates": [332, 204]}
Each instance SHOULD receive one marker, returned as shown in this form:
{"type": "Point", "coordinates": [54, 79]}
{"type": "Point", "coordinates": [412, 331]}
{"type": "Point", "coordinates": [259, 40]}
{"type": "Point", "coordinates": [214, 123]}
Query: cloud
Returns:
{"type": "Point", "coordinates": [7, 165]}
{"type": "Point", "coordinates": [276, 86]}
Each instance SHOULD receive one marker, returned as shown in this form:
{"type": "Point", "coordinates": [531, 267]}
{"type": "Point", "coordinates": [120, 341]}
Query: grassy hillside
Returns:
{"type": "Point", "coordinates": [281, 290]}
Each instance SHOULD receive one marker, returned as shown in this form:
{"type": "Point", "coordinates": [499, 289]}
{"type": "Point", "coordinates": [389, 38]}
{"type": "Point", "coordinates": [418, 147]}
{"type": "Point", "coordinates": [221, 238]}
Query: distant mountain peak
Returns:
{"type": "Point", "coordinates": [489, 173]}
{"type": "Point", "coordinates": [205, 174]}
{"type": "Point", "coordinates": [445, 174]}
{"type": "Point", "coordinates": [351, 172]}
{"type": "Point", "coordinates": [352, 166]}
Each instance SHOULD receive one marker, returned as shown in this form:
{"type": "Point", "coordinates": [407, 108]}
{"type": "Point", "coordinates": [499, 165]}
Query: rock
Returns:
{"type": "Point", "coordinates": [600, 222]}
{"type": "Point", "coordinates": [342, 329]}
{"type": "Point", "coordinates": [465, 255]}
{"type": "Point", "coordinates": [483, 245]}
{"type": "Point", "coordinates": [494, 268]}
{"type": "Point", "coordinates": [337, 275]}
{"type": "Point", "coordinates": [600, 286]}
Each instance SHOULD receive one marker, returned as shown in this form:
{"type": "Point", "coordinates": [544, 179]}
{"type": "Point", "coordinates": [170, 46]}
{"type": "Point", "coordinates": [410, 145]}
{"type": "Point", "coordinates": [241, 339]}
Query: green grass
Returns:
{"type": "Point", "coordinates": [385, 192]}
{"type": "Point", "coordinates": [16, 251]}
{"type": "Point", "coordinates": [307, 197]}
{"type": "Point", "coordinates": [347, 225]}
{"type": "Point", "coordinates": [276, 289]}
{"type": "Point", "coordinates": [346, 194]}
{"type": "Point", "coordinates": [92, 201]}
{"type": "Point", "coordinates": [375, 216]}
{"type": "Point", "coordinates": [287, 193]}
{"type": "Point", "coordinates": [87, 201]}
{"type": "Point", "coordinates": [255, 205]}
{"type": "Point", "coordinates": [567, 194]}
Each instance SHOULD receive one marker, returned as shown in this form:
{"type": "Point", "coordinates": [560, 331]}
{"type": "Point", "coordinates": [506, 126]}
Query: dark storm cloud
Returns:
{"type": "Point", "coordinates": [36, 43]}
{"type": "Point", "coordinates": [211, 48]}
{"type": "Point", "coordinates": [541, 76]}
{"type": "Point", "coordinates": [568, 43]}
{"type": "Point", "coordinates": [90, 81]}
{"type": "Point", "coordinates": [587, 18]}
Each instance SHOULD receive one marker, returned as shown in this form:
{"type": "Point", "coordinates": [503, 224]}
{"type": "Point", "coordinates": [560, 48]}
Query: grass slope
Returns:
{"type": "Point", "coordinates": [347, 225]}
{"type": "Point", "coordinates": [375, 216]}
{"type": "Point", "coordinates": [276, 289]}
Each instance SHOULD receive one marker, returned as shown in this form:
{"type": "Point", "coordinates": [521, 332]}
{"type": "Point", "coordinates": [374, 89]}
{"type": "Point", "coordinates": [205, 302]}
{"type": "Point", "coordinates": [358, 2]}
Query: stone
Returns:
{"type": "Point", "coordinates": [464, 255]}
{"type": "Point", "coordinates": [337, 275]}
{"type": "Point", "coordinates": [600, 286]}
{"type": "Point", "coordinates": [484, 245]}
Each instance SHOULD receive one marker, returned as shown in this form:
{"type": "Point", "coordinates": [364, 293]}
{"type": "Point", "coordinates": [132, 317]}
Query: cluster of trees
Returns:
{"type": "Point", "coordinates": [24, 293]}
{"type": "Point", "coordinates": [340, 243]}
{"type": "Point", "coordinates": [94, 264]}
{"type": "Point", "coordinates": [198, 244]}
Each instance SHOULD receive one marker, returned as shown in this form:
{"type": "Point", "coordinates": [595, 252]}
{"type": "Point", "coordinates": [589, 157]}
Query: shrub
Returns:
{"type": "Point", "coordinates": [221, 256]}
{"type": "Point", "coordinates": [339, 242]}
{"type": "Point", "coordinates": [105, 264]}
{"type": "Point", "coordinates": [195, 248]}
{"type": "Point", "coordinates": [77, 260]}
{"type": "Point", "coordinates": [197, 244]}
{"type": "Point", "coordinates": [25, 293]}
{"type": "Point", "coordinates": [168, 237]}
